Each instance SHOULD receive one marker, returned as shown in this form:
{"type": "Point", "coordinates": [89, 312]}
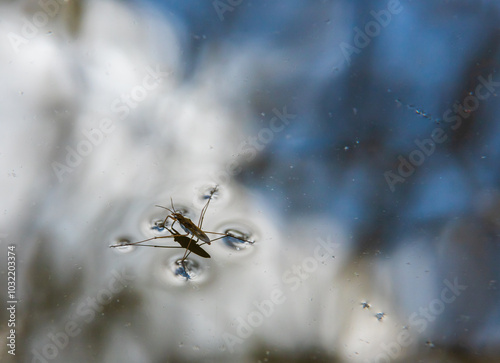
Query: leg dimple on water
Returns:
{"type": "Point", "coordinates": [212, 192]}
{"type": "Point", "coordinates": [238, 237]}
{"type": "Point", "coordinates": [186, 269]}
{"type": "Point", "coordinates": [157, 225]}
{"type": "Point", "coordinates": [124, 248]}
{"type": "Point", "coordinates": [176, 272]}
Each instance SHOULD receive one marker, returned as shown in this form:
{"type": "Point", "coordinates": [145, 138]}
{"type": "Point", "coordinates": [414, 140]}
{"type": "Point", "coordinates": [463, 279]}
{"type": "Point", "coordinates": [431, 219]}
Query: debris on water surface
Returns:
{"type": "Point", "coordinates": [380, 316]}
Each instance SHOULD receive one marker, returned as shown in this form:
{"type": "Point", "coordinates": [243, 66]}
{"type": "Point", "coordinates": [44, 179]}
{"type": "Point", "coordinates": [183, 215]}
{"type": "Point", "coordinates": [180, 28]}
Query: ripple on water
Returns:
{"type": "Point", "coordinates": [173, 272]}
{"type": "Point", "coordinates": [123, 249]}
{"type": "Point", "coordinates": [219, 194]}
{"type": "Point", "coordinates": [240, 237]}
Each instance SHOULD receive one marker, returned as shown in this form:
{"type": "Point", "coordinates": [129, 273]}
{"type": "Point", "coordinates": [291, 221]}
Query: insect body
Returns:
{"type": "Point", "coordinates": [182, 240]}
{"type": "Point", "coordinates": [186, 224]}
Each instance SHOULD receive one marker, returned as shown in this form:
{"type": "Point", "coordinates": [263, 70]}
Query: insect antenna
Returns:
{"type": "Point", "coordinates": [172, 204]}
{"type": "Point", "coordinates": [160, 206]}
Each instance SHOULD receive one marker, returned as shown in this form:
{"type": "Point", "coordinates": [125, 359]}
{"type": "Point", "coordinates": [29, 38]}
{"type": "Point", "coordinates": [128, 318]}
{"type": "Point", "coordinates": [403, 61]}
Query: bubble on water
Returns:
{"type": "Point", "coordinates": [123, 249]}
{"type": "Point", "coordinates": [174, 271]}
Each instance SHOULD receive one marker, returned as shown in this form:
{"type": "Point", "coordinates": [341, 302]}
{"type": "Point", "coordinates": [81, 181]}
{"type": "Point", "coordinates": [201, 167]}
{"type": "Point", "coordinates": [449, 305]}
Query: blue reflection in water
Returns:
{"type": "Point", "coordinates": [358, 149]}
{"type": "Point", "coordinates": [417, 195]}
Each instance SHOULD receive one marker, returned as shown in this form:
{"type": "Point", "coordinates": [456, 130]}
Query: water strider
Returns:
{"type": "Point", "coordinates": [194, 233]}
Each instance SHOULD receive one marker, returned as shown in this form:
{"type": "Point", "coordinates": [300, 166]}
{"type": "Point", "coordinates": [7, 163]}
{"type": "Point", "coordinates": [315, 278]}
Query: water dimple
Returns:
{"type": "Point", "coordinates": [212, 192]}
{"type": "Point", "coordinates": [123, 249]}
{"type": "Point", "coordinates": [175, 271]}
{"type": "Point", "coordinates": [158, 225]}
{"type": "Point", "coordinates": [380, 316]}
{"type": "Point", "coordinates": [238, 237]}
{"type": "Point", "coordinates": [187, 269]}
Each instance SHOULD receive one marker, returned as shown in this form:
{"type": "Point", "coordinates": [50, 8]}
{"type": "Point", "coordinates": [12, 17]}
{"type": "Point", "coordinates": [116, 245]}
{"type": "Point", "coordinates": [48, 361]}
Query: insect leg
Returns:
{"type": "Point", "coordinates": [172, 218]}
{"type": "Point", "coordinates": [187, 250]}
{"type": "Point", "coordinates": [161, 246]}
{"type": "Point", "coordinates": [145, 240]}
{"type": "Point", "coordinates": [227, 235]}
{"type": "Point", "coordinates": [204, 210]}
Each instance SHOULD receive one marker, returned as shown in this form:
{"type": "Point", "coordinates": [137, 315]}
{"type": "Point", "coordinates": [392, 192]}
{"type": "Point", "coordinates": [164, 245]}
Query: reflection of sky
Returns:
{"type": "Point", "coordinates": [323, 175]}
{"type": "Point", "coordinates": [349, 128]}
